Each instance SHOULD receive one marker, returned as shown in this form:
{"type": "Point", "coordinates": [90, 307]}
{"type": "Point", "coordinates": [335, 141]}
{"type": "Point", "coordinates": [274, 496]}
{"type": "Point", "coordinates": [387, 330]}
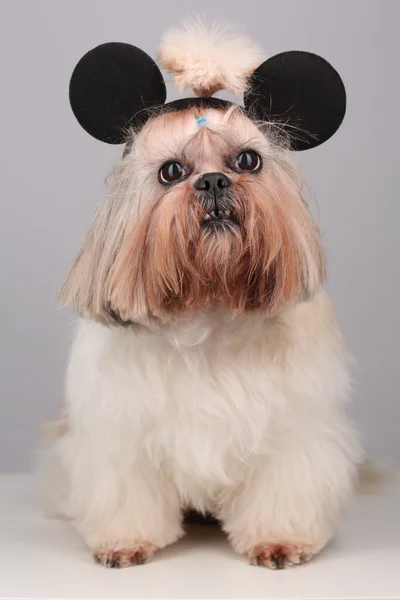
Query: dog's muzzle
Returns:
{"type": "Point", "coordinates": [215, 198]}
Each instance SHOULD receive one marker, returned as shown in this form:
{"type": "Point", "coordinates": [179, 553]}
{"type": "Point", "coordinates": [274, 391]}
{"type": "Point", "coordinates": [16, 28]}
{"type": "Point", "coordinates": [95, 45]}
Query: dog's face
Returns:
{"type": "Point", "coordinates": [200, 217]}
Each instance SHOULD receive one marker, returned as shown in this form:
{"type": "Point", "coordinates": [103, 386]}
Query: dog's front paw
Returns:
{"type": "Point", "coordinates": [281, 556]}
{"type": "Point", "coordinates": [129, 556]}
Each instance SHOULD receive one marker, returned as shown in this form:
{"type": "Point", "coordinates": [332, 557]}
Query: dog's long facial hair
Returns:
{"type": "Point", "coordinates": [242, 241]}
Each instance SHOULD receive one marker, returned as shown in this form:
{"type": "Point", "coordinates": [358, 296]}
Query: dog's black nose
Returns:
{"type": "Point", "coordinates": [213, 183]}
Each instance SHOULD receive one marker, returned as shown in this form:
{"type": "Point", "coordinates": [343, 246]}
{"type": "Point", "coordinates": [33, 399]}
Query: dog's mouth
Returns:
{"type": "Point", "coordinates": [219, 217]}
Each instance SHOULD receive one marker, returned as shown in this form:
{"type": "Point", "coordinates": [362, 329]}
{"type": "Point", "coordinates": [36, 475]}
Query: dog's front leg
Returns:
{"type": "Point", "coordinates": [288, 506]}
{"type": "Point", "coordinates": [125, 509]}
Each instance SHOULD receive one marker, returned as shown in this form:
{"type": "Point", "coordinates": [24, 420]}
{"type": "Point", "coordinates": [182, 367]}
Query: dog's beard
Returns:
{"type": "Point", "coordinates": [176, 259]}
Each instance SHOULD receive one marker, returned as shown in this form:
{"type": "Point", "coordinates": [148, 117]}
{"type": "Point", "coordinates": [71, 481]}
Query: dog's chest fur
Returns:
{"type": "Point", "coordinates": [200, 400]}
{"type": "Point", "coordinates": [192, 404]}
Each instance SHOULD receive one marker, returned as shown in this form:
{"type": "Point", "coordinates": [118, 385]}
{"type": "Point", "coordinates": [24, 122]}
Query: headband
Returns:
{"type": "Point", "coordinates": [116, 86]}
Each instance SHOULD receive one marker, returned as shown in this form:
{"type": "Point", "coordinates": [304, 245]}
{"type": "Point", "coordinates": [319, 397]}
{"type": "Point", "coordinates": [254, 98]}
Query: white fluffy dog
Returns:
{"type": "Point", "coordinates": [208, 371]}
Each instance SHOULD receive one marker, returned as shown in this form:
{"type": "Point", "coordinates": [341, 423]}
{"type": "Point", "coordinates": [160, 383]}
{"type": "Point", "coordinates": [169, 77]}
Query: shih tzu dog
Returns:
{"type": "Point", "coordinates": [208, 370]}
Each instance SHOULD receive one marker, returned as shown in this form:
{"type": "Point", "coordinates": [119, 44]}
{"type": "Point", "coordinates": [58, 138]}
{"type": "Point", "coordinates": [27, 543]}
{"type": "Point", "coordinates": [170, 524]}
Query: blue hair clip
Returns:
{"type": "Point", "coordinates": [201, 121]}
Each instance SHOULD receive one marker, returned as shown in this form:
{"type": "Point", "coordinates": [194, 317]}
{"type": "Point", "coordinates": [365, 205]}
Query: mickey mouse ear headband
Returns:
{"type": "Point", "coordinates": [115, 85]}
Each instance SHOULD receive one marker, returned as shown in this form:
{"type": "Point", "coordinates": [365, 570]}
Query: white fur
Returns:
{"type": "Point", "coordinates": [208, 58]}
{"type": "Point", "coordinates": [244, 417]}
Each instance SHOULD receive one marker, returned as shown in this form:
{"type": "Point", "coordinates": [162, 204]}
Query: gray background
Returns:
{"type": "Point", "coordinates": [52, 177]}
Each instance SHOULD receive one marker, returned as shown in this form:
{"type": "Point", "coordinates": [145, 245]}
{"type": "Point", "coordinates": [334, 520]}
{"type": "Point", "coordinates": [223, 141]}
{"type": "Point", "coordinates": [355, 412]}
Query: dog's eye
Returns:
{"type": "Point", "coordinates": [248, 161]}
{"type": "Point", "coordinates": [170, 172]}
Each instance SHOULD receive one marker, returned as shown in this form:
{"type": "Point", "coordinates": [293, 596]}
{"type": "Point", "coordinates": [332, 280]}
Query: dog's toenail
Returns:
{"type": "Point", "coordinates": [140, 559]}
{"type": "Point", "coordinates": [279, 560]}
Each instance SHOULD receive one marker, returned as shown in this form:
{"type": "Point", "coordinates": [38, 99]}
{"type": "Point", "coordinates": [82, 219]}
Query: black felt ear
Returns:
{"type": "Point", "coordinates": [110, 88]}
{"type": "Point", "coordinates": [301, 90]}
